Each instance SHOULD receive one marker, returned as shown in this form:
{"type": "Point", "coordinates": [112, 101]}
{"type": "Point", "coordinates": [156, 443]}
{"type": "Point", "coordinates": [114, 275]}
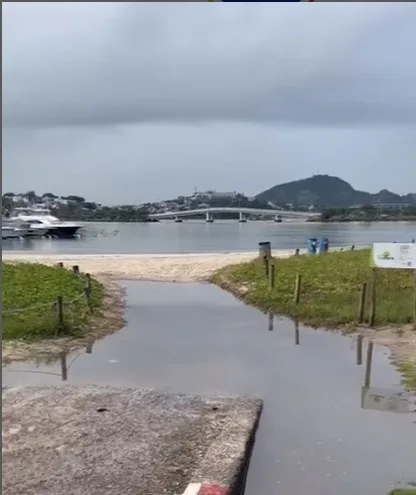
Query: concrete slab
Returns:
{"type": "Point", "coordinates": [97, 440]}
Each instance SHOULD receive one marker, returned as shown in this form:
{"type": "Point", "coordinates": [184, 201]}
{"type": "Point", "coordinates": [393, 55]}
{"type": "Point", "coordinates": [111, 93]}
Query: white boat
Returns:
{"type": "Point", "coordinates": [10, 232]}
{"type": "Point", "coordinates": [42, 218]}
{"type": "Point", "coordinates": [34, 230]}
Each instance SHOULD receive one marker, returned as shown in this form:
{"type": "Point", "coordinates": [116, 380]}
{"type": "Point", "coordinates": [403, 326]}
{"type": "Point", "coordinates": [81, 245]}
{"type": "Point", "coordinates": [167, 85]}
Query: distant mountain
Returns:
{"type": "Point", "coordinates": [328, 191]}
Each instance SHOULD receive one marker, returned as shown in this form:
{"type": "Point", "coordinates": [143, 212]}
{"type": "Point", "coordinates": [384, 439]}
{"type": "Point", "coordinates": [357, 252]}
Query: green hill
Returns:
{"type": "Point", "coordinates": [327, 191]}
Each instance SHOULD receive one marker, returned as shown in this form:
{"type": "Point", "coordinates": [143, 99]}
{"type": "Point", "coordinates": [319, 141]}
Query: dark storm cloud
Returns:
{"type": "Point", "coordinates": [104, 64]}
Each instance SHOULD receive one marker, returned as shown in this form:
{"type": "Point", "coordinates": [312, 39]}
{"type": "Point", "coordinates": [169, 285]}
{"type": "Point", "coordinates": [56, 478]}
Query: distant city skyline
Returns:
{"type": "Point", "coordinates": [135, 102]}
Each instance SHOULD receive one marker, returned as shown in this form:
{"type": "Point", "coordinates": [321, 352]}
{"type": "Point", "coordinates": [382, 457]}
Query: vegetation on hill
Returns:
{"type": "Point", "coordinates": [368, 213]}
{"type": "Point", "coordinates": [77, 208]}
{"type": "Point", "coordinates": [30, 293]}
{"type": "Point", "coordinates": [326, 191]}
{"type": "Point", "coordinates": [330, 196]}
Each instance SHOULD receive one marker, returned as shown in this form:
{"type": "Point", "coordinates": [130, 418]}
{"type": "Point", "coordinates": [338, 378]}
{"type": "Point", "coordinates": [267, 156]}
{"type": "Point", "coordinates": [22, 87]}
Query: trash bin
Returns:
{"type": "Point", "coordinates": [265, 250]}
{"type": "Point", "coordinates": [311, 245]}
{"type": "Point", "coordinates": [323, 245]}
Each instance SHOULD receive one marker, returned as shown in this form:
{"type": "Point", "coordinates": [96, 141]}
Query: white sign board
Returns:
{"type": "Point", "coordinates": [394, 255]}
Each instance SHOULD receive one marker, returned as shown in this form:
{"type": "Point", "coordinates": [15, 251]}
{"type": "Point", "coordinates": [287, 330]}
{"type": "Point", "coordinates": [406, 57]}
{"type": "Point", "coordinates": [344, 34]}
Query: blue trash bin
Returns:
{"type": "Point", "coordinates": [311, 245]}
{"type": "Point", "coordinates": [323, 245]}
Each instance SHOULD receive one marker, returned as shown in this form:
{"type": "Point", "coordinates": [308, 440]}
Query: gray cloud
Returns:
{"type": "Point", "coordinates": [132, 63]}
{"type": "Point", "coordinates": [157, 98]}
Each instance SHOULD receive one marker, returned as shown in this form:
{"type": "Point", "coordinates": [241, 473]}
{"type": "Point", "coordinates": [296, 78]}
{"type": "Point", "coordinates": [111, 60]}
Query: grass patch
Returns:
{"type": "Point", "coordinates": [329, 291]}
{"type": "Point", "coordinates": [30, 292]}
{"type": "Point", "coordinates": [408, 371]}
{"type": "Point", "coordinates": [403, 491]}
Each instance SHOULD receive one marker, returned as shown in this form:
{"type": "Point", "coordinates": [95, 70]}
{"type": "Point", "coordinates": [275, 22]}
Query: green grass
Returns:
{"type": "Point", "coordinates": [329, 290]}
{"type": "Point", "coordinates": [408, 372]}
{"type": "Point", "coordinates": [30, 293]}
{"type": "Point", "coordinates": [403, 491]}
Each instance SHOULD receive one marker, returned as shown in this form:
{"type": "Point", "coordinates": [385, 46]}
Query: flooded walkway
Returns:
{"type": "Point", "coordinates": [314, 436]}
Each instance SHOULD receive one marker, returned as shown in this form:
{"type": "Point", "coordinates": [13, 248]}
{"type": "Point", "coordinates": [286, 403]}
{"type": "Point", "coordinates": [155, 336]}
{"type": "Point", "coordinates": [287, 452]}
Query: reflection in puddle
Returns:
{"type": "Point", "coordinates": [270, 322]}
{"type": "Point", "coordinates": [51, 363]}
{"type": "Point", "coordinates": [270, 326]}
{"type": "Point", "coordinates": [297, 338]}
{"type": "Point", "coordinates": [382, 399]}
{"type": "Point", "coordinates": [319, 432]}
{"type": "Point", "coordinates": [375, 398]}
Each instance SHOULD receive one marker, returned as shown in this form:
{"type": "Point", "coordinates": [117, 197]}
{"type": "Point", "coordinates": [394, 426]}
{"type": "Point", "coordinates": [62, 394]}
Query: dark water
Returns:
{"type": "Point", "coordinates": [314, 437]}
{"type": "Point", "coordinates": [197, 236]}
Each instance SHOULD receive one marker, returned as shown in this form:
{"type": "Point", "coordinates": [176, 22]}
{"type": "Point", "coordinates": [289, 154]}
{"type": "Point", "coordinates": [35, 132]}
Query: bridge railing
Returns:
{"type": "Point", "coordinates": [236, 210]}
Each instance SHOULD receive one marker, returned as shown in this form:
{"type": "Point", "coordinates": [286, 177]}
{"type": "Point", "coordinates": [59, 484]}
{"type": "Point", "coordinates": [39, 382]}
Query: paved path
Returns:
{"type": "Point", "coordinates": [97, 440]}
{"type": "Point", "coordinates": [314, 436]}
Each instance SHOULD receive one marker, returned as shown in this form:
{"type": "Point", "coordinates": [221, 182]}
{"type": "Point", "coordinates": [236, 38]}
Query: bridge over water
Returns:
{"type": "Point", "coordinates": [242, 213]}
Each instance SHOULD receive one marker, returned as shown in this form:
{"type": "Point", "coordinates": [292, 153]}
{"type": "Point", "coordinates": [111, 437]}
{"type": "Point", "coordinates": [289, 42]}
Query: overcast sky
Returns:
{"type": "Point", "coordinates": [124, 103]}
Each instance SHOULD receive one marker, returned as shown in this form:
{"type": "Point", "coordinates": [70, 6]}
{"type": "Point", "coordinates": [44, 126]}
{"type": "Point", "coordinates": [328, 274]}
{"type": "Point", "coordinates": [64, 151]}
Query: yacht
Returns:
{"type": "Point", "coordinates": [10, 232]}
{"type": "Point", "coordinates": [34, 230]}
{"type": "Point", "coordinates": [42, 218]}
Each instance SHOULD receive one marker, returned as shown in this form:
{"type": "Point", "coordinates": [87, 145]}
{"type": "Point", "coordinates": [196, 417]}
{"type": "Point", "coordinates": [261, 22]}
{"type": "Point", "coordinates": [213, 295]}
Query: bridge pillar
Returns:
{"type": "Point", "coordinates": [209, 217]}
{"type": "Point", "coordinates": [241, 217]}
{"type": "Point", "coordinates": [277, 218]}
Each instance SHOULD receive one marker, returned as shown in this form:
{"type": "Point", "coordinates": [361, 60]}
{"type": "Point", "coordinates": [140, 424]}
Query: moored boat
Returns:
{"type": "Point", "coordinates": [34, 230]}
{"type": "Point", "coordinates": [10, 232]}
{"type": "Point", "coordinates": [42, 218]}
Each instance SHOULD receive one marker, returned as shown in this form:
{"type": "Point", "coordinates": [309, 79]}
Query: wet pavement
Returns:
{"type": "Point", "coordinates": [314, 435]}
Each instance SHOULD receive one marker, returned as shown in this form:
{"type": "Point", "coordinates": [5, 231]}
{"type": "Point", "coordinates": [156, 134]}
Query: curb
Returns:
{"type": "Point", "coordinates": [206, 489]}
{"type": "Point", "coordinates": [223, 471]}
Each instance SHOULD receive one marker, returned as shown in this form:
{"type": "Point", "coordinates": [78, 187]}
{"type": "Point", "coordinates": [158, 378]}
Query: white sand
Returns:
{"type": "Point", "coordinates": [166, 267]}
{"type": "Point", "coordinates": [189, 267]}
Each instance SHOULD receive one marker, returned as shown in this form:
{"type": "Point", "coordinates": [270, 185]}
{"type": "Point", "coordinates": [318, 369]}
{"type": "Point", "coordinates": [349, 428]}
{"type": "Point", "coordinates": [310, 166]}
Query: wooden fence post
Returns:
{"type": "Point", "coordinates": [297, 252]}
{"type": "Point", "coordinates": [75, 269]}
{"type": "Point", "coordinates": [88, 291]}
{"type": "Point", "coordinates": [372, 315]}
{"type": "Point", "coordinates": [87, 294]}
{"type": "Point", "coordinates": [361, 303]}
{"type": "Point", "coordinates": [60, 313]}
{"type": "Point", "coordinates": [359, 349]}
{"type": "Point", "coordinates": [368, 364]}
{"type": "Point", "coordinates": [271, 274]}
{"type": "Point", "coordinates": [298, 284]}
{"type": "Point", "coordinates": [266, 266]}
{"type": "Point", "coordinates": [60, 264]}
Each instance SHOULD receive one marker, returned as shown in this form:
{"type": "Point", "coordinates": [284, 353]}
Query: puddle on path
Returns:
{"type": "Point", "coordinates": [314, 435]}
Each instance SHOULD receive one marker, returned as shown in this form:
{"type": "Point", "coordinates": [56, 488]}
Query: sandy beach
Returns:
{"type": "Point", "coordinates": [194, 267]}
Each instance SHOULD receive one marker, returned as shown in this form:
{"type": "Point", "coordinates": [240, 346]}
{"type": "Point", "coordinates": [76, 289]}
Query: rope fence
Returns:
{"type": "Point", "coordinates": [55, 318]}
